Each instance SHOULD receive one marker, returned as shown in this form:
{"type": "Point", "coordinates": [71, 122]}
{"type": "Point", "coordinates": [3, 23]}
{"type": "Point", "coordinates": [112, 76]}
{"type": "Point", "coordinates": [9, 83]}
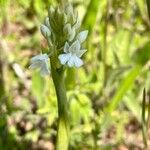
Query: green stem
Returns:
{"type": "Point", "coordinates": [148, 8]}
{"type": "Point", "coordinates": [63, 116]}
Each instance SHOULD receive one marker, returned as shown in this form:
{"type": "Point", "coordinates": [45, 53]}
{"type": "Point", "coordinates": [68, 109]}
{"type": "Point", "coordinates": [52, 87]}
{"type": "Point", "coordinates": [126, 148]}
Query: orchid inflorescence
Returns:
{"type": "Point", "coordinates": [61, 30]}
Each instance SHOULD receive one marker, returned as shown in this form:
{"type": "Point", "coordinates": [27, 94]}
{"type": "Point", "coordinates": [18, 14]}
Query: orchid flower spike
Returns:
{"type": "Point", "coordinates": [61, 30]}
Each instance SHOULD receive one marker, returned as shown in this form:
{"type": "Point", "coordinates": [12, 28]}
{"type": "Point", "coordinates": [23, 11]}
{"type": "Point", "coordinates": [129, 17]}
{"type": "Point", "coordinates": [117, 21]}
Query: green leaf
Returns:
{"type": "Point", "coordinates": [125, 85]}
{"type": "Point", "coordinates": [141, 6]}
{"type": "Point", "coordinates": [82, 105]}
{"type": "Point", "coordinates": [142, 55]}
{"type": "Point", "coordinates": [70, 78]}
{"type": "Point", "coordinates": [133, 105]}
{"type": "Point", "coordinates": [91, 13]}
{"type": "Point", "coordinates": [38, 84]}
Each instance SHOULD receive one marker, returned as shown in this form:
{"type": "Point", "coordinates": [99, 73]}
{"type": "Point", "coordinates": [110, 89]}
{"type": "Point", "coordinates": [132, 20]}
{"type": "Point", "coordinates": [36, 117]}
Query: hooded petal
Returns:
{"type": "Point", "coordinates": [64, 58]}
{"type": "Point", "coordinates": [40, 57]}
{"type": "Point", "coordinates": [75, 47]}
{"type": "Point", "coordinates": [82, 36]}
{"type": "Point", "coordinates": [35, 65]}
{"type": "Point", "coordinates": [35, 58]}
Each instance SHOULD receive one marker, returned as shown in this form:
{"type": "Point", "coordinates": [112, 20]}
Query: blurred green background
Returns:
{"type": "Point", "coordinates": [105, 95]}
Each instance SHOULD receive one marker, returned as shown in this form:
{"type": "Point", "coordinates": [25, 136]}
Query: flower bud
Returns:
{"type": "Point", "coordinates": [47, 23]}
{"type": "Point", "coordinates": [51, 11]}
{"type": "Point", "coordinates": [77, 23]}
{"type": "Point", "coordinates": [45, 31]}
{"type": "Point", "coordinates": [69, 9]}
{"type": "Point", "coordinates": [69, 31]}
{"type": "Point", "coordinates": [65, 18]}
{"type": "Point", "coordinates": [59, 12]}
{"type": "Point", "coordinates": [82, 36]}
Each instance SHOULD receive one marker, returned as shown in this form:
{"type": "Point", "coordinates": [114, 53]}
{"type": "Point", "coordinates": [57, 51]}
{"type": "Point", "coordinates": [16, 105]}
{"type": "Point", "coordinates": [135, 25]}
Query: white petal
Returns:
{"type": "Point", "coordinates": [35, 65]}
{"type": "Point", "coordinates": [44, 70]}
{"type": "Point", "coordinates": [71, 61]}
{"type": "Point", "coordinates": [64, 58]}
{"type": "Point", "coordinates": [82, 36]}
{"type": "Point", "coordinates": [40, 57]}
{"type": "Point", "coordinates": [75, 47]}
{"type": "Point", "coordinates": [66, 47]}
{"type": "Point", "coordinates": [79, 53]}
{"type": "Point", "coordinates": [78, 62]}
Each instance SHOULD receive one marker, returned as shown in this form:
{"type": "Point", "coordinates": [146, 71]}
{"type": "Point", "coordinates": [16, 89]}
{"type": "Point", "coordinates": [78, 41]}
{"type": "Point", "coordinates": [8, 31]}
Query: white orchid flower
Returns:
{"type": "Point", "coordinates": [40, 62]}
{"type": "Point", "coordinates": [72, 55]}
{"type": "Point", "coordinates": [82, 36]}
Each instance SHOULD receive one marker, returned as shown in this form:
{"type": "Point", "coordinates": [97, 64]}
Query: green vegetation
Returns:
{"type": "Point", "coordinates": [109, 96]}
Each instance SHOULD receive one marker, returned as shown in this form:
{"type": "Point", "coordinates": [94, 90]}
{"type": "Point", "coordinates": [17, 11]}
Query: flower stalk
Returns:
{"type": "Point", "coordinates": [63, 128]}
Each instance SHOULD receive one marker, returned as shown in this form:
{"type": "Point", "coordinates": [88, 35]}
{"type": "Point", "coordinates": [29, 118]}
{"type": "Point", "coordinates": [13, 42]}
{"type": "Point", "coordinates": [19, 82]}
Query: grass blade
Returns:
{"type": "Point", "coordinates": [90, 16]}
{"type": "Point", "coordinates": [125, 85]}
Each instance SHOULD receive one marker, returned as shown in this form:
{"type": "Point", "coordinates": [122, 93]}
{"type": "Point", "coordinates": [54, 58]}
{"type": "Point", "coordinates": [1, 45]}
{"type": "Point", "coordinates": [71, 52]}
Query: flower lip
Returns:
{"type": "Point", "coordinates": [74, 61]}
